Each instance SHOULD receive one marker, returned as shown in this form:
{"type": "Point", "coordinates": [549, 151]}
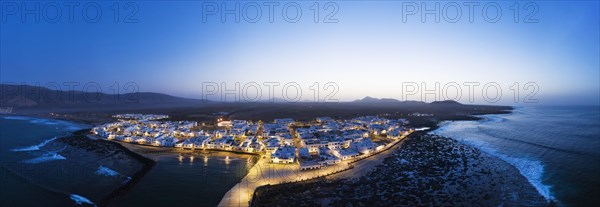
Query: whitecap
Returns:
{"type": "Point", "coordinates": [127, 179]}
{"type": "Point", "coordinates": [34, 147]}
{"type": "Point", "coordinates": [69, 126]}
{"type": "Point", "coordinates": [23, 149]}
{"type": "Point", "coordinates": [532, 170]}
{"type": "Point", "coordinates": [489, 119]}
{"type": "Point", "coordinates": [81, 200]}
{"type": "Point", "coordinates": [106, 171]}
{"type": "Point", "coordinates": [422, 129]}
{"type": "Point", "coordinates": [43, 121]}
{"type": "Point", "coordinates": [73, 128]}
{"type": "Point", "coordinates": [16, 118]}
{"type": "Point", "coordinates": [50, 156]}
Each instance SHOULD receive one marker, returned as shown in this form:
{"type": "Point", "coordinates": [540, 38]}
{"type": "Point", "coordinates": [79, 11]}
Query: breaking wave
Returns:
{"type": "Point", "coordinates": [43, 121]}
{"type": "Point", "coordinates": [16, 118]}
{"type": "Point", "coordinates": [46, 157]}
{"type": "Point", "coordinates": [81, 200]}
{"type": "Point", "coordinates": [490, 119]}
{"type": "Point", "coordinates": [68, 125]}
{"type": "Point", "coordinates": [34, 147]}
{"type": "Point", "coordinates": [106, 171]}
{"type": "Point", "coordinates": [532, 170]}
{"type": "Point", "coordinates": [73, 128]}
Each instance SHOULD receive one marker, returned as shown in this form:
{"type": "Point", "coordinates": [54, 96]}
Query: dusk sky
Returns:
{"type": "Point", "coordinates": [370, 51]}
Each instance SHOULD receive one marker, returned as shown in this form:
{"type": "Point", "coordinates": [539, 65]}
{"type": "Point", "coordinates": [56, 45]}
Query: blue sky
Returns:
{"type": "Point", "coordinates": [370, 51]}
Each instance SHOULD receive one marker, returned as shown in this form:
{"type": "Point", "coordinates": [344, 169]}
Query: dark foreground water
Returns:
{"type": "Point", "coordinates": [556, 148]}
{"type": "Point", "coordinates": [36, 170]}
{"type": "Point", "coordinates": [189, 180]}
{"type": "Point", "coordinates": [33, 171]}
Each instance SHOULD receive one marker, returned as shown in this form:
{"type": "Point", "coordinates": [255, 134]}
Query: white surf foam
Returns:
{"type": "Point", "coordinates": [532, 170]}
{"type": "Point", "coordinates": [34, 147]}
{"type": "Point", "coordinates": [16, 117]}
{"type": "Point", "coordinates": [73, 128]}
{"type": "Point", "coordinates": [79, 200]}
{"type": "Point", "coordinates": [50, 156]}
{"type": "Point", "coordinates": [106, 171]}
{"type": "Point", "coordinates": [43, 121]}
{"type": "Point", "coordinates": [489, 119]}
{"type": "Point", "coordinates": [68, 125]}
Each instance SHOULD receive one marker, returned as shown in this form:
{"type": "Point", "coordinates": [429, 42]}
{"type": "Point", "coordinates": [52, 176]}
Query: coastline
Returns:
{"type": "Point", "coordinates": [151, 156]}
{"type": "Point", "coordinates": [81, 141]}
{"type": "Point", "coordinates": [520, 164]}
{"type": "Point", "coordinates": [242, 187]}
{"type": "Point", "coordinates": [265, 173]}
{"type": "Point", "coordinates": [510, 173]}
{"type": "Point", "coordinates": [148, 165]}
{"type": "Point", "coordinates": [486, 118]}
{"type": "Point", "coordinates": [414, 176]}
{"type": "Point", "coordinates": [138, 151]}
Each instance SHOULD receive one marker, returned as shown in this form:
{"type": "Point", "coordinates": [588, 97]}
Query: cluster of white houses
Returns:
{"type": "Point", "coordinates": [314, 144]}
{"type": "Point", "coordinates": [141, 116]}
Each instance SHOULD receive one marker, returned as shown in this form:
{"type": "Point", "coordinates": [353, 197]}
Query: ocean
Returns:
{"type": "Point", "coordinates": [194, 180]}
{"type": "Point", "coordinates": [557, 148]}
{"type": "Point", "coordinates": [32, 167]}
{"type": "Point", "coordinates": [36, 170]}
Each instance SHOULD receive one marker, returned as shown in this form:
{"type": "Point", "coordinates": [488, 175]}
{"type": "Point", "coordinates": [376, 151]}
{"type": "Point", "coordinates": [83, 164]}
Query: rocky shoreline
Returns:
{"type": "Point", "coordinates": [427, 170]}
{"type": "Point", "coordinates": [112, 155]}
{"type": "Point", "coordinates": [148, 164]}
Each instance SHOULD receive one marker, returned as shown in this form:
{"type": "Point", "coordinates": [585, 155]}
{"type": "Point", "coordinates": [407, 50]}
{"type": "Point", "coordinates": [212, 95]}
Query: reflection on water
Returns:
{"type": "Point", "coordinates": [176, 179]}
{"type": "Point", "coordinates": [190, 160]}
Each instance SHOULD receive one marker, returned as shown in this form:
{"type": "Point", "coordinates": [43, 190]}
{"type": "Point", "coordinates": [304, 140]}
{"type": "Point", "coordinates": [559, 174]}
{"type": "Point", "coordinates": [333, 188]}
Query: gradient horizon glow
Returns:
{"type": "Point", "coordinates": [370, 51]}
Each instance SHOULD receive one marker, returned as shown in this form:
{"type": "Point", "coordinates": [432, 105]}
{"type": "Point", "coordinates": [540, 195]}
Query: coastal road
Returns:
{"type": "Point", "coordinates": [362, 167]}
{"type": "Point", "coordinates": [264, 173]}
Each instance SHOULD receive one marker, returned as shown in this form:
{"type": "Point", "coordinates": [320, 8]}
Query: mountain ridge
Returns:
{"type": "Point", "coordinates": [37, 96]}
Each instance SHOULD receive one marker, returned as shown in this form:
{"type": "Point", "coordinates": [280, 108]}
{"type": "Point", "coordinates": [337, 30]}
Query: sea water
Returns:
{"type": "Point", "coordinates": [557, 148]}
{"type": "Point", "coordinates": [30, 161]}
{"type": "Point", "coordinates": [193, 180]}
{"type": "Point", "coordinates": [35, 171]}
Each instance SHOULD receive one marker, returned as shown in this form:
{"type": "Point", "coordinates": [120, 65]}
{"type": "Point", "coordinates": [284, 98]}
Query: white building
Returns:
{"type": "Point", "coordinates": [345, 154]}
{"type": "Point", "coordinates": [284, 155]}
